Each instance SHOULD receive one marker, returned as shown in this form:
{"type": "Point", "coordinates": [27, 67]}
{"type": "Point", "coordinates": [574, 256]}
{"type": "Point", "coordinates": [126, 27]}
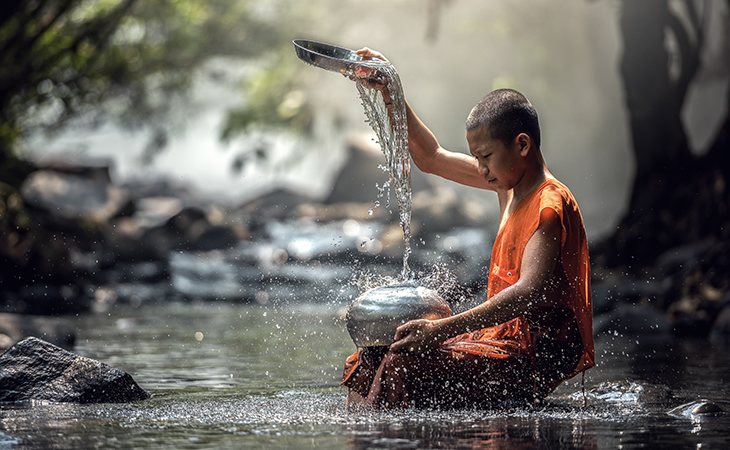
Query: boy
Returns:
{"type": "Point", "coordinates": [535, 329]}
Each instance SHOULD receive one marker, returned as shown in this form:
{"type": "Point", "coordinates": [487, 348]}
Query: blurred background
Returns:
{"type": "Point", "coordinates": [181, 197]}
{"type": "Point", "coordinates": [179, 149]}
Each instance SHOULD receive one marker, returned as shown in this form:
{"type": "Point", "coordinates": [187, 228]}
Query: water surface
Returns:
{"type": "Point", "coordinates": [268, 376]}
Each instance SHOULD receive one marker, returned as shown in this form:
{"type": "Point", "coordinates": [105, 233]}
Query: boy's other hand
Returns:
{"type": "Point", "coordinates": [416, 336]}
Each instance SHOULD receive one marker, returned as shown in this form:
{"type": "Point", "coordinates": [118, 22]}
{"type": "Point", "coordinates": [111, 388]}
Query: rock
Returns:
{"type": "Point", "coordinates": [97, 169]}
{"type": "Point", "coordinates": [683, 257]}
{"type": "Point", "coordinates": [74, 196]}
{"type": "Point", "coordinates": [36, 370]}
{"type": "Point", "coordinates": [144, 271]}
{"type": "Point", "coordinates": [603, 296]}
{"type": "Point", "coordinates": [15, 327]}
{"type": "Point", "coordinates": [360, 173]}
{"type": "Point", "coordinates": [463, 251]}
{"type": "Point", "coordinates": [632, 321]}
{"type": "Point", "coordinates": [45, 299]}
{"type": "Point", "coordinates": [442, 210]}
{"type": "Point", "coordinates": [361, 212]}
{"type": "Point", "coordinates": [147, 187]}
{"type": "Point", "coordinates": [721, 328]}
{"type": "Point", "coordinates": [305, 240]}
{"type": "Point", "coordinates": [126, 240]}
{"type": "Point", "coordinates": [234, 276]}
{"type": "Point", "coordinates": [215, 237]}
{"type": "Point", "coordinates": [154, 211]}
{"type": "Point", "coordinates": [614, 289]}
{"type": "Point", "coordinates": [277, 204]}
{"type": "Point", "coordinates": [187, 230]}
{"type": "Point", "coordinates": [697, 408]}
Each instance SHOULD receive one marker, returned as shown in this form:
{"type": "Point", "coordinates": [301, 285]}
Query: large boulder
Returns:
{"type": "Point", "coordinates": [444, 209]}
{"type": "Point", "coordinates": [360, 173]}
{"type": "Point", "coordinates": [633, 321]}
{"type": "Point", "coordinates": [74, 196]}
{"type": "Point", "coordinates": [34, 369]}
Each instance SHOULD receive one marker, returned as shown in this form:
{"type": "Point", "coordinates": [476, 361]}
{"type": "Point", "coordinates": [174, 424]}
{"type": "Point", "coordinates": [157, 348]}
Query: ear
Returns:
{"type": "Point", "coordinates": [524, 143]}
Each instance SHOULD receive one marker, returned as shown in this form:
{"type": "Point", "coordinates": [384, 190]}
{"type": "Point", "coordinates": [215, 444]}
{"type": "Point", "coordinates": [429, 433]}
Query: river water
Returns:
{"type": "Point", "coordinates": [234, 376]}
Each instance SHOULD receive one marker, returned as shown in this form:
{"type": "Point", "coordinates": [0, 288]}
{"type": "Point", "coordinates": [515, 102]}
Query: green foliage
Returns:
{"type": "Point", "coordinates": [63, 58]}
{"type": "Point", "coordinates": [275, 98]}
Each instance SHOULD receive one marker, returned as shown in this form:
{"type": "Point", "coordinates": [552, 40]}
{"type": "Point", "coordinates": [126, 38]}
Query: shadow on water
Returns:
{"type": "Point", "coordinates": [249, 375]}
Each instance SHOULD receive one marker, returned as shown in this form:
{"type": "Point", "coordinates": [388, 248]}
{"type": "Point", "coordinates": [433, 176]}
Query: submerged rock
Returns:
{"type": "Point", "coordinates": [697, 408]}
{"type": "Point", "coordinates": [34, 369]}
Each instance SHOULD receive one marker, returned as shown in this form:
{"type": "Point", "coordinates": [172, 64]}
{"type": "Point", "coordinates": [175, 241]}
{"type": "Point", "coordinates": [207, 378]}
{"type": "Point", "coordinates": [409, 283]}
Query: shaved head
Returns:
{"type": "Point", "coordinates": [505, 113]}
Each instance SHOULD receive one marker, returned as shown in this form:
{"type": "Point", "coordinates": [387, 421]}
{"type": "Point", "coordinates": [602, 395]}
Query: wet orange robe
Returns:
{"type": "Point", "coordinates": [516, 340]}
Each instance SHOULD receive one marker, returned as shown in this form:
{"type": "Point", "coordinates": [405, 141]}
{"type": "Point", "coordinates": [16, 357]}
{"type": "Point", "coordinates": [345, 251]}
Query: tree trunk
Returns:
{"type": "Point", "coordinates": [674, 194]}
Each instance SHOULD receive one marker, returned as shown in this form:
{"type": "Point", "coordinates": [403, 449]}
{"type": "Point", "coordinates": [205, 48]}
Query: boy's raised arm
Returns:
{"type": "Point", "coordinates": [425, 150]}
{"type": "Point", "coordinates": [430, 157]}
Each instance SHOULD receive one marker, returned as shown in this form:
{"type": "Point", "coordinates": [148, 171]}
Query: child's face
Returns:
{"type": "Point", "coordinates": [501, 165]}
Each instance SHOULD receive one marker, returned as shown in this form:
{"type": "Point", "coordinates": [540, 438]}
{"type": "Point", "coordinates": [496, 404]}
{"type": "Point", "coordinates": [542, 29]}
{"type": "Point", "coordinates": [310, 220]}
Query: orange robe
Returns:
{"type": "Point", "coordinates": [526, 357]}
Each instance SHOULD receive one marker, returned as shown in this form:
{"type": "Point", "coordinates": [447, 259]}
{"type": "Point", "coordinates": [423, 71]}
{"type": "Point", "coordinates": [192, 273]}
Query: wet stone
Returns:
{"type": "Point", "coordinates": [34, 369]}
{"type": "Point", "coordinates": [697, 408]}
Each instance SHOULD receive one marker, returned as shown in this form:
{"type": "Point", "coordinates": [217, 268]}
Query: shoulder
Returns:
{"type": "Point", "coordinates": [556, 195]}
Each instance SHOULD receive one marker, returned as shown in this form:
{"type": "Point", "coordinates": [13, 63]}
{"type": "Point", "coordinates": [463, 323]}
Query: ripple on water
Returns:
{"type": "Point", "coordinates": [288, 411]}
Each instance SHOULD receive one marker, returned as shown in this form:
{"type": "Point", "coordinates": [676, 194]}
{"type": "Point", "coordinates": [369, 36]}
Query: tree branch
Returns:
{"type": "Point", "coordinates": [63, 9]}
{"type": "Point", "coordinates": [32, 71]}
{"type": "Point", "coordinates": [103, 26]}
{"type": "Point", "coordinates": [24, 19]}
{"type": "Point", "coordinates": [689, 55]}
{"type": "Point", "coordinates": [11, 8]}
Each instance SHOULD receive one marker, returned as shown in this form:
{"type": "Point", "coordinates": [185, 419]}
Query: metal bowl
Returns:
{"type": "Point", "coordinates": [373, 317]}
{"type": "Point", "coordinates": [331, 57]}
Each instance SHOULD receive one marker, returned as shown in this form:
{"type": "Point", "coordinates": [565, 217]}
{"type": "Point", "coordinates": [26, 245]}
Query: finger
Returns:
{"type": "Point", "coordinates": [402, 345]}
{"type": "Point", "coordinates": [364, 52]}
{"type": "Point", "coordinates": [405, 329]}
{"type": "Point", "coordinates": [401, 332]}
{"type": "Point", "coordinates": [368, 53]}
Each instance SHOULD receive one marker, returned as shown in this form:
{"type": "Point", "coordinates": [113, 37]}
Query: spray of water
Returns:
{"type": "Point", "coordinates": [391, 129]}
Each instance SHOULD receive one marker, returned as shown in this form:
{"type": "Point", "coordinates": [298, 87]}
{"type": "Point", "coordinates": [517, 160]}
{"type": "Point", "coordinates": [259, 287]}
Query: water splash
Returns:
{"type": "Point", "coordinates": [437, 277]}
{"type": "Point", "coordinates": [391, 128]}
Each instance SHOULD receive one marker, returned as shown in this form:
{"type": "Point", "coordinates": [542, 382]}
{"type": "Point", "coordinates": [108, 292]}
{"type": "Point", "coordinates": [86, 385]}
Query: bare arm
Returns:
{"type": "Point", "coordinates": [538, 262]}
{"type": "Point", "coordinates": [425, 150]}
{"type": "Point", "coordinates": [430, 157]}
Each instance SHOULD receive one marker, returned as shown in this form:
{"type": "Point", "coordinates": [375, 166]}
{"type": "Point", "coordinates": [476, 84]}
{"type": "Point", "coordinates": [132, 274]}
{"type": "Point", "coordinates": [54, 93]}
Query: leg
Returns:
{"type": "Point", "coordinates": [355, 400]}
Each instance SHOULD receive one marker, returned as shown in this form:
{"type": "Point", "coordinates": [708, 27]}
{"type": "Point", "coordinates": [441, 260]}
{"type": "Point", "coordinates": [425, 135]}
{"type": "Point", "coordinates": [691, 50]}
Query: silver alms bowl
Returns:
{"type": "Point", "coordinates": [373, 317]}
{"type": "Point", "coordinates": [334, 58]}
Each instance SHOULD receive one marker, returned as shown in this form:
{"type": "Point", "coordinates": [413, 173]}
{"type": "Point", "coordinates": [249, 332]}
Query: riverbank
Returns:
{"type": "Point", "coordinates": [76, 242]}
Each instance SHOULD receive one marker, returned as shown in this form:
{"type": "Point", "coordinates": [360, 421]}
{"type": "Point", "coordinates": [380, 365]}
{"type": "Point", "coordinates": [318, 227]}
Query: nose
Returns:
{"type": "Point", "coordinates": [483, 169]}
